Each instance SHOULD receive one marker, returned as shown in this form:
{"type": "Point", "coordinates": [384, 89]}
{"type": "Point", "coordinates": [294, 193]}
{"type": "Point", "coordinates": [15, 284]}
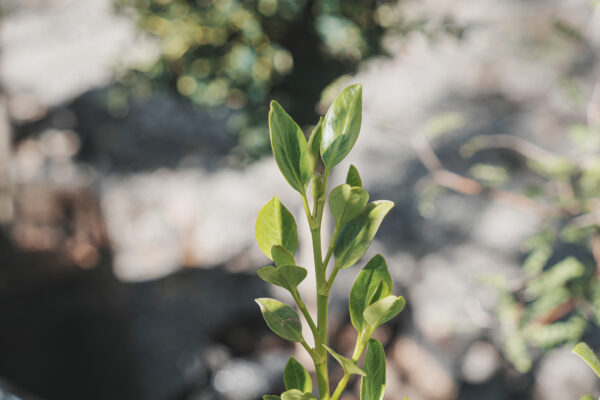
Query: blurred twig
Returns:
{"type": "Point", "coordinates": [462, 184]}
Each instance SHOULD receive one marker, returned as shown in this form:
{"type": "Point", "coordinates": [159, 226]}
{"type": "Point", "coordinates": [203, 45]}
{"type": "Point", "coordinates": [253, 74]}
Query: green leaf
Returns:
{"type": "Point", "coordinates": [289, 148]}
{"type": "Point", "coordinates": [346, 202]}
{"type": "Point", "coordinates": [356, 236]}
{"type": "Point", "coordinates": [295, 394]}
{"type": "Point", "coordinates": [271, 397]}
{"type": "Point", "coordinates": [286, 276]}
{"type": "Point", "coordinates": [587, 397]}
{"type": "Point", "coordinates": [584, 351]}
{"type": "Point", "coordinates": [353, 178]}
{"type": "Point", "coordinates": [349, 366]}
{"type": "Point", "coordinates": [281, 318]}
{"type": "Point", "coordinates": [276, 226]}
{"type": "Point", "coordinates": [383, 310]}
{"type": "Point", "coordinates": [295, 376]}
{"type": "Point", "coordinates": [372, 386]}
{"type": "Point", "coordinates": [365, 288]}
{"type": "Point", "coordinates": [341, 126]}
{"type": "Point", "coordinates": [281, 256]}
{"type": "Point", "coordinates": [314, 145]}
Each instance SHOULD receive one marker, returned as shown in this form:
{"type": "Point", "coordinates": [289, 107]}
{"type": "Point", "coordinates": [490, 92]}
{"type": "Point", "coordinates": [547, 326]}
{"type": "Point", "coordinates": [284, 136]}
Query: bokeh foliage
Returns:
{"type": "Point", "coordinates": [556, 298]}
{"type": "Point", "coordinates": [235, 54]}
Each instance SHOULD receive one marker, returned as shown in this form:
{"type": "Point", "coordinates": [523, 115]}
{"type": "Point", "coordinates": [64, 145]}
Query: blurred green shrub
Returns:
{"type": "Point", "coordinates": [557, 295]}
{"type": "Point", "coordinates": [235, 54]}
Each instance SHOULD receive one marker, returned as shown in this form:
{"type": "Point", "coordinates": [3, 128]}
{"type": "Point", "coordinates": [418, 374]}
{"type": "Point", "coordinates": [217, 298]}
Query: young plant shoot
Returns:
{"type": "Point", "coordinates": [371, 300]}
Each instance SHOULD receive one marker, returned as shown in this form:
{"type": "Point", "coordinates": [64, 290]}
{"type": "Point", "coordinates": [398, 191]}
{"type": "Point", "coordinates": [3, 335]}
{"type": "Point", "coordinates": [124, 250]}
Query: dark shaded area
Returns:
{"type": "Point", "coordinates": [69, 333]}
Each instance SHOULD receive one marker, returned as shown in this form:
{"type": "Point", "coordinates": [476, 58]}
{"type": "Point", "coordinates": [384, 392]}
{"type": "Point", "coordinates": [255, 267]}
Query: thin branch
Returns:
{"type": "Point", "coordinates": [518, 145]}
{"type": "Point", "coordinates": [469, 186]}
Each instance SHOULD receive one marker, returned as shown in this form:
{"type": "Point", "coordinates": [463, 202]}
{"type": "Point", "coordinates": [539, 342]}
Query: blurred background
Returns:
{"type": "Point", "coordinates": [134, 157]}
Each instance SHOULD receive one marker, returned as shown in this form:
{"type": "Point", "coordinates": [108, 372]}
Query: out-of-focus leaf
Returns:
{"type": "Point", "coordinates": [585, 352]}
{"type": "Point", "coordinates": [556, 276]}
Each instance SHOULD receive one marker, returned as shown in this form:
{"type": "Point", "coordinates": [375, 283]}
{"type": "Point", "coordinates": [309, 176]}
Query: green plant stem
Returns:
{"type": "Point", "coordinates": [307, 348]}
{"type": "Point", "coordinates": [334, 236]}
{"type": "Point", "coordinates": [320, 358]}
{"type": "Point", "coordinates": [304, 310]}
{"type": "Point", "coordinates": [358, 350]}
{"type": "Point", "coordinates": [311, 220]}
{"type": "Point", "coordinates": [322, 301]}
{"type": "Point", "coordinates": [340, 387]}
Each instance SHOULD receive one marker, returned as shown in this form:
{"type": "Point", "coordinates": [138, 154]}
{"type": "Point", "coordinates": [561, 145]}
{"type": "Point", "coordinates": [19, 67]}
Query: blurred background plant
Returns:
{"type": "Point", "coordinates": [119, 224]}
{"type": "Point", "coordinates": [556, 298]}
{"type": "Point", "coordinates": [234, 55]}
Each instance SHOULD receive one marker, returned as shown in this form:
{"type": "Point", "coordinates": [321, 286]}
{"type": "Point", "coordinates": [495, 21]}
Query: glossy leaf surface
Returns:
{"type": "Point", "coordinates": [383, 310]}
{"type": "Point", "coordinates": [295, 376]}
{"type": "Point", "coordinates": [286, 276]}
{"type": "Point", "coordinates": [289, 148]}
{"type": "Point", "coordinates": [356, 236]}
{"type": "Point", "coordinates": [365, 289]}
{"type": "Point", "coordinates": [372, 386]}
{"type": "Point", "coordinates": [346, 202]}
{"type": "Point", "coordinates": [276, 226]}
{"type": "Point", "coordinates": [281, 318]}
{"type": "Point", "coordinates": [347, 364]}
{"type": "Point", "coordinates": [353, 178]}
{"type": "Point", "coordinates": [314, 145]}
{"type": "Point", "coordinates": [342, 125]}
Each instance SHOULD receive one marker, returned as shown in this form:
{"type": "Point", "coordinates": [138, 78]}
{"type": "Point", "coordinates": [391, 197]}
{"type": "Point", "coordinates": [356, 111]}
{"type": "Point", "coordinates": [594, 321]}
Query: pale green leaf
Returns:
{"type": "Point", "coordinates": [281, 256]}
{"type": "Point", "coordinates": [342, 125]}
{"type": "Point", "coordinates": [289, 148]}
{"type": "Point", "coordinates": [353, 178]}
{"type": "Point", "coordinates": [295, 394]}
{"type": "Point", "coordinates": [365, 288]}
{"type": "Point", "coordinates": [281, 318]}
{"type": "Point", "coordinates": [347, 364]}
{"type": "Point", "coordinates": [585, 352]}
{"type": "Point", "coordinates": [372, 386]}
{"type": "Point", "coordinates": [271, 397]}
{"type": "Point", "coordinates": [356, 236]}
{"type": "Point", "coordinates": [276, 226]}
{"type": "Point", "coordinates": [383, 310]}
{"type": "Point", "coordinates": [285, 276]}
{"type": "Point", "coordinates": [295, 376]}
{"type": "Point", "coordinates": [346, 203]}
